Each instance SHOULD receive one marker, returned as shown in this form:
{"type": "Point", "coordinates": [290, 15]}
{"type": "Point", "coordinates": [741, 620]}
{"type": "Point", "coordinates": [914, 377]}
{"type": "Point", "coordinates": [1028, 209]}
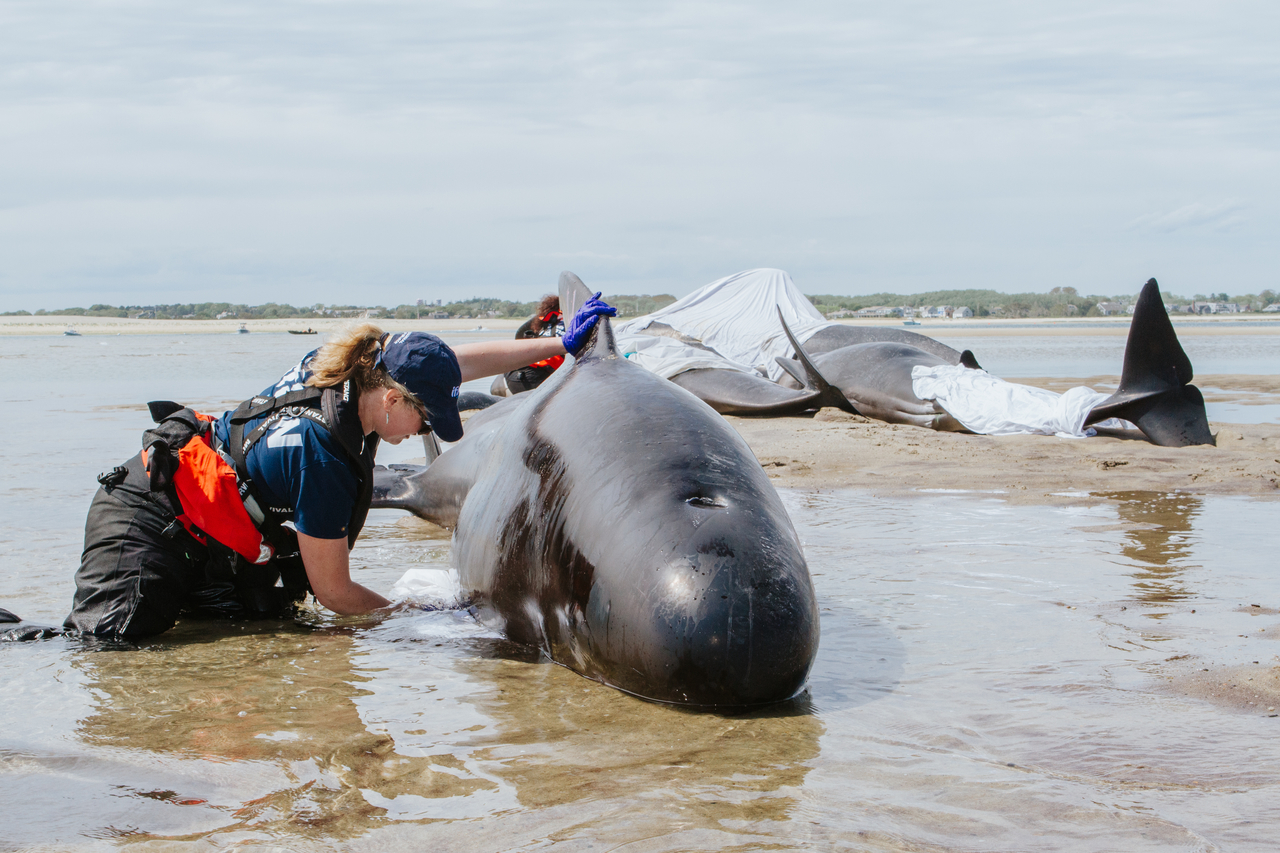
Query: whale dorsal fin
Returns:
{"type": "Point", "coordinates": [828, 394]}
{"type": "Point", "coordinates": [573, 293]}
{"type": "Point", "coordinates": [967, 359]}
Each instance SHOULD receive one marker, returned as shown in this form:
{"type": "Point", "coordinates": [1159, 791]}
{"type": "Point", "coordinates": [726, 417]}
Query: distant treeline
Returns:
{"type": "Point", "coordinates": [480, 308]}
{"type": "Point", "coordinates": [1059, 302]}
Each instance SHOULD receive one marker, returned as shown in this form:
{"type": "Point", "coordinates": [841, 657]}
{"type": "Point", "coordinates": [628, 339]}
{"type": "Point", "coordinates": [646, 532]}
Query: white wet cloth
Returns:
{"type": "Point", "coordinates": [988, 405]}
{"type": "Point", "coordinates": [735, 317]}
{"type": "Point", "coordinates": [436, 588]}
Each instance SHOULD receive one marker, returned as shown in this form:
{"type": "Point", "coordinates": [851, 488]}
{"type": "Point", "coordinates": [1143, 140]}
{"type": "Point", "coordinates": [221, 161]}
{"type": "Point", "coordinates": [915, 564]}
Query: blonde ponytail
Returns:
{"type": "Point", "coordinates": [352, 353]}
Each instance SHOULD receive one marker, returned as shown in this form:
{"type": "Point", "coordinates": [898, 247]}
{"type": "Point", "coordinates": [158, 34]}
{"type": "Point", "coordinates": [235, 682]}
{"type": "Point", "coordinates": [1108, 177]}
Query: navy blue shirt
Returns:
{"type": "Point", "coordinates": [298, 467]}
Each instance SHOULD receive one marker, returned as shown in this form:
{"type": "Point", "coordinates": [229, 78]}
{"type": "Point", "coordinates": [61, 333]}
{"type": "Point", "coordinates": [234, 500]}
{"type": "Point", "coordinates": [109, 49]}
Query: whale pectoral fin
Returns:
{"type": "Point", "coordinates": [435, 492]}
{"type": "Point", "coordinates": [8, 616]}
{"type": "Point", "coordinates": [1154, 391]}
{"type": "Point", "coordinates": [393, 487]}
{"type": "Point", "coordinates": [967, 359]}
{"type": "Point", "coordinates": [793, 369]}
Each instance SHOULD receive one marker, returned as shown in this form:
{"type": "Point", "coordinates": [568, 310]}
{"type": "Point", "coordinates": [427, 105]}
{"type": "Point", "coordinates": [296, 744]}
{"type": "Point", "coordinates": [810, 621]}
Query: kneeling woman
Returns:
{"type": "Point", "coordinates": [196, 523]}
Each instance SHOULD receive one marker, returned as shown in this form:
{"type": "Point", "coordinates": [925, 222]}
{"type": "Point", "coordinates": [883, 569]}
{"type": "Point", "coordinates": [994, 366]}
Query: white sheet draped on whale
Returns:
{"type": "Point", "coordinates": [736, 317]}
{"type": "Point", "coordinates": [736, 320]}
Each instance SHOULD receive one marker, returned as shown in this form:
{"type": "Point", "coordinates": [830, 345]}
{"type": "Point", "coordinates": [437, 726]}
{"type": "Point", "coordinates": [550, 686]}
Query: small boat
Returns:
{"type": "Point", "coordinates": [243, 330]}
{"type": "Point", "coordinates": [910, 323]}
{"type": "Point", "coordinates": [306, 331]}
{"type": "Point", "coordinates": [72, 333]}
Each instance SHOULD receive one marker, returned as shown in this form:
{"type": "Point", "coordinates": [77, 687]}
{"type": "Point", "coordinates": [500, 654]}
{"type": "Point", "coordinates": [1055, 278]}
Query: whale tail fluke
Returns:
{"type": "Point", "coordinates": [1155, 391]}
{"type": "Point", "coordinates": [826, 393]}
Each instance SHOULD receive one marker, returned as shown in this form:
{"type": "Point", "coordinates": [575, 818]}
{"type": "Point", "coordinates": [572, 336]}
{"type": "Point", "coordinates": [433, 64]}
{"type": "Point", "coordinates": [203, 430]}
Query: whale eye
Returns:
{"type": "Point", "coordinates": [705, 502]}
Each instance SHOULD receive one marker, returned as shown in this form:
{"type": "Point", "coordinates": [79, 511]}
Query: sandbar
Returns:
{"type": "Point", "coordinates": [835, 450]}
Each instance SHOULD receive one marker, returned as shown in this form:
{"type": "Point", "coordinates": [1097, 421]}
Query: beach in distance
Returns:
{"type": "Point", "coordinates": [834, 449]}
{"type": "Point", "coordinates": [86, 325]}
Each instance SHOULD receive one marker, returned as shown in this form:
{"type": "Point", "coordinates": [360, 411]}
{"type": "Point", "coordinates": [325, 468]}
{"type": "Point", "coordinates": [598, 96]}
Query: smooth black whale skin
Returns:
{"type": "Point", "coordinates": [618, 523]}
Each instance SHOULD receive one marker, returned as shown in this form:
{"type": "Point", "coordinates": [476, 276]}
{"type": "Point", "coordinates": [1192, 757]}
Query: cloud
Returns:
{"type": "Point", "coordinates": [401, 149]}
{"type": "Point", "coordinates": [583, 255]}
{"type": "Point", "coordinates": [1219, 217]}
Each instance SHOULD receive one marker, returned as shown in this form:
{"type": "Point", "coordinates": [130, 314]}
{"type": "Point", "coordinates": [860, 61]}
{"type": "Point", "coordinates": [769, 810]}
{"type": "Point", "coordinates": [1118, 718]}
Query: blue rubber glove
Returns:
{"type": "Point", "coordinates": [578, 330]}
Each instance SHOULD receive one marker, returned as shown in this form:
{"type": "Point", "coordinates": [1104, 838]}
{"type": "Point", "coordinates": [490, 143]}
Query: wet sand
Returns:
{"type": "Point", "coordinates": [834, 449]}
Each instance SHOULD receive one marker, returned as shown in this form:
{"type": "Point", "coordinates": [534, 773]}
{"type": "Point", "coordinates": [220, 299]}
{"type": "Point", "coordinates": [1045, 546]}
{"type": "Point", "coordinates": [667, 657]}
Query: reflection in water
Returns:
{"type": "Point", "coordinates": [559, 740]}
{"type": "Point", "coordinates": [1158, 539]}
{"type": "Point", "coordinates": [220, 694]}
{"type": "Point", "coordinates": [329, 743]}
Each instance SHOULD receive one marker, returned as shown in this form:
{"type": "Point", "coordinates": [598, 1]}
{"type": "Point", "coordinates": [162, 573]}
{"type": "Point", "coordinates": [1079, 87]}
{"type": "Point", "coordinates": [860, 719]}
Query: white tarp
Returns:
{"type": "Point", "coordinates": [988, 405]}
{"type": "Point", "coordinates": [669, 357]}
{"type": "Point", "coordinates": [736, 317]}
{"type": "Point", "coordinates": [736, 320]}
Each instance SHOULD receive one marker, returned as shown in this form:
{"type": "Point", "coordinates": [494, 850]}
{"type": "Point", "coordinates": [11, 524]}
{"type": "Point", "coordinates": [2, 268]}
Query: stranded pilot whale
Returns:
{"type": "Point", "coordinates": [1155, 393]}
{"type": "Point", "coordinates": [615, 521]}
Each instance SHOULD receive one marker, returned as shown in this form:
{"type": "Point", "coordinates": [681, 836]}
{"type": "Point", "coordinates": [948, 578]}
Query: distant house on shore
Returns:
{"type": "Point", "coordinates": [1107, 309]}
{"type": "Point", "coordinates": [877, 311]}
{"type": "Point", "coordinates": [1273, 308]}
{"type": "Point", "coordinates": [1215, 308]}
{"type": "Point", "coordinates": [961, 312]}
{"type": "Point", "coordinates": [841, 314]}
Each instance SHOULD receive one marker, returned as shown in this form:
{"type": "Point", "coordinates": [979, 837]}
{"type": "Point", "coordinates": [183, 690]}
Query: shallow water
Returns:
{"type": "Point", "coordinates": [1012, 356]}
{"type": "Point", "coordinates": [990, 677]}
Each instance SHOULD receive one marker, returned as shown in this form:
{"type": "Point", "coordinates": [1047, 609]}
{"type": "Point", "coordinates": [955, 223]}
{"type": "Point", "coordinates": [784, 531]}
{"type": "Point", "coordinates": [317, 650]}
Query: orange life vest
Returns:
{"type": "Point", "coordinates": [205, 484]}
{"type": "Point", "coordinates": [549, 322]}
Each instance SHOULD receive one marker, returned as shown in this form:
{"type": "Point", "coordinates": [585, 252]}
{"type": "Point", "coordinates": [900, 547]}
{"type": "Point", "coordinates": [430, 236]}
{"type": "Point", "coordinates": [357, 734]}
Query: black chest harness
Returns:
{"type": "Point", "coordinates": [336, 410]}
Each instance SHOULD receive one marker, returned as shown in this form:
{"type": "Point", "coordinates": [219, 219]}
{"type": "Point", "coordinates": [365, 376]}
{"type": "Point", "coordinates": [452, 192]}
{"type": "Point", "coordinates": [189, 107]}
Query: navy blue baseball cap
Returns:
{"type": "Point", "coordinates": [428, 368]}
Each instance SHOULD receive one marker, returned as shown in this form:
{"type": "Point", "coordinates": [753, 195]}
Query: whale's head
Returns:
{"type": "Point", "coordinates": [642, 545]}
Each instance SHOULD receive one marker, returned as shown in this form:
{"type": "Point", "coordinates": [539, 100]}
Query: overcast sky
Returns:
{"type": "Point", "coordinates": [383, 152]}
